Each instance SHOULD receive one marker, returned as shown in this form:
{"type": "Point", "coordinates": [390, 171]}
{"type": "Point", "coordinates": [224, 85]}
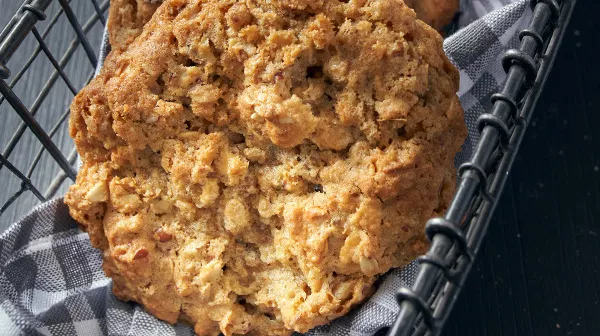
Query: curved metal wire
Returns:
{"type": "Point", "coordinates": [35, 53]}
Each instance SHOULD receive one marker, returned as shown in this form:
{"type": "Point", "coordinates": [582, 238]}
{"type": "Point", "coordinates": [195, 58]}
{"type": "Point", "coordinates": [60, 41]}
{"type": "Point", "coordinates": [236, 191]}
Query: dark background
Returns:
{"type": "Point", "coordinates": [538, 271]}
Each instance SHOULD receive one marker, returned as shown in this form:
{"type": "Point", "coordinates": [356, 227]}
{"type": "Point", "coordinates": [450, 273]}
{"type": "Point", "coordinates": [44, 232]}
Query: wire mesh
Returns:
{"type": "Point", "coordinates": [47, 53]}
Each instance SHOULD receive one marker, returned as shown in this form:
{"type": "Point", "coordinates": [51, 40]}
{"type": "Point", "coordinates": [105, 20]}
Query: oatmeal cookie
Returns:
{"type": "Point", "coordinates": [252, 166]}
{"type": "Point", "coordinates": [127, 17]}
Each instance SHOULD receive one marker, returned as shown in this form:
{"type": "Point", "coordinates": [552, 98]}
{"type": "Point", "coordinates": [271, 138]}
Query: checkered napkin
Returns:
{"type": "Point", "coordinates": [51, 280]}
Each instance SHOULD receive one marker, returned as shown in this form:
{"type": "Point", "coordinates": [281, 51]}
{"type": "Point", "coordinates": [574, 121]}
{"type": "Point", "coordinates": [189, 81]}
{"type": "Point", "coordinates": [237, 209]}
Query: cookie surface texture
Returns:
{"type": "Point", "coordinates": [251, 167]}
{"type": "Point", "coordinates": [126, 19]}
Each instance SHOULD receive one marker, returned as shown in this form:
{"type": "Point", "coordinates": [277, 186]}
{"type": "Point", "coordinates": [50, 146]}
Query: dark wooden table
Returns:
{"type": "Point", "coordinates": [538, 271]}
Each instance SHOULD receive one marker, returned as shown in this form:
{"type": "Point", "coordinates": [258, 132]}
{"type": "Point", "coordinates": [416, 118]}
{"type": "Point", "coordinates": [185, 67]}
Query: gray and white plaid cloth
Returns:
{"type": "Point", "coordinates": [51, 280]}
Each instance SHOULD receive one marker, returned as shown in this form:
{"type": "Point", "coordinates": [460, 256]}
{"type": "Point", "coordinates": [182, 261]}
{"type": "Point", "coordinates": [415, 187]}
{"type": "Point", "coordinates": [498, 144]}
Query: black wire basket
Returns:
{"type": "Point", "coordinates": [455, 238]}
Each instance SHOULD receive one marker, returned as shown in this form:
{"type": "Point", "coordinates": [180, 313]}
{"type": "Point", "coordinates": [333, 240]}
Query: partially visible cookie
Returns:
{"type": "Point", "coordinates": [126, 18]}
{"type": "Point", "coordinates": [252, 166]}
{"type": "Point", "coordinates": [436, 13]}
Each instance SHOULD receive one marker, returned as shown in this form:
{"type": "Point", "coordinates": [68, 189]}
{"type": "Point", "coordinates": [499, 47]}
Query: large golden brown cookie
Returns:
{"type": "Point", "coordinates": [127, 17]}
{"type": "Point", "coordinates": [252, 166]}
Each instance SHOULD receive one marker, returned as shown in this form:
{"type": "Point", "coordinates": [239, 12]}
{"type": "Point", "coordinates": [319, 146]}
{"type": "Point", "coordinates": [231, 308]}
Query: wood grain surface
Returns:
{"type": "Point", "coordinates": [538, 272]}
